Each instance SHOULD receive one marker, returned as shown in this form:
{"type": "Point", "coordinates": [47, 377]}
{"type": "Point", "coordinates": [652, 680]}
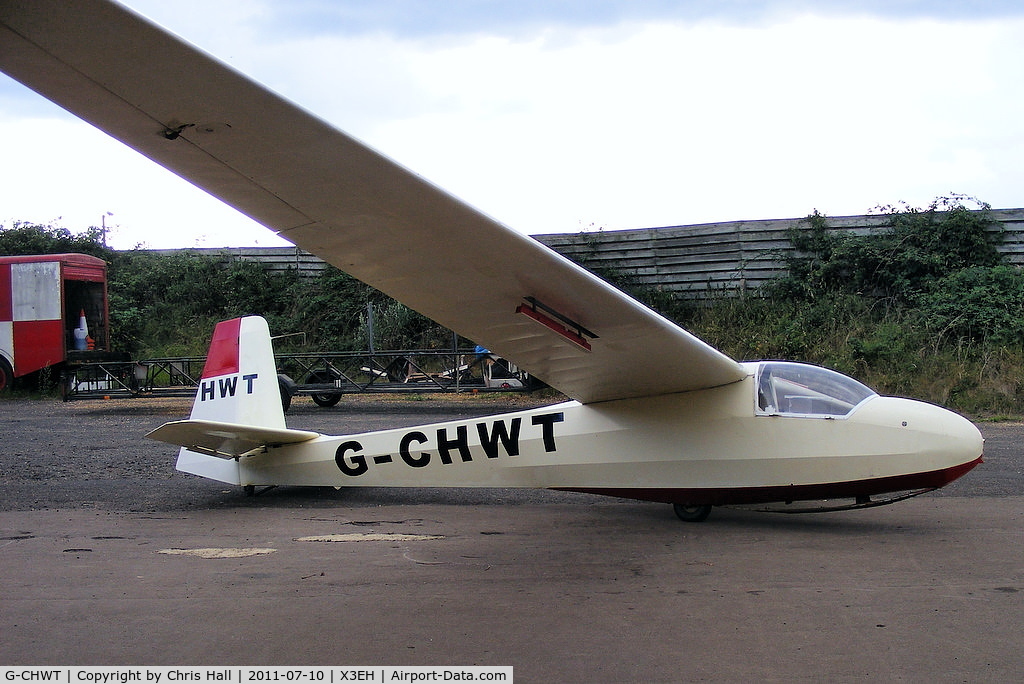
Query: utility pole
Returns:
{"type": "Point", "coordinates": [103, 227]}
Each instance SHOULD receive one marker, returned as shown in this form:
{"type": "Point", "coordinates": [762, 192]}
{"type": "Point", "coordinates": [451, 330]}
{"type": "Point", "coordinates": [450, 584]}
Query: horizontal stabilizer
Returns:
{"type": "Point", "coordinates": [226, 439]}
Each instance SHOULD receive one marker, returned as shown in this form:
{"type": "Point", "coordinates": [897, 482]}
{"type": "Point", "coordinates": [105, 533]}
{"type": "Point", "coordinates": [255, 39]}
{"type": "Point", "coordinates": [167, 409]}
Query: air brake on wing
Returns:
{"type": "Point", "coordinates": [546, 316]}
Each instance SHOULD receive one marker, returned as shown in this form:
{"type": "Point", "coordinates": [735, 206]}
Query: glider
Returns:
{"type": "Point", "coordinates": [656, 414]}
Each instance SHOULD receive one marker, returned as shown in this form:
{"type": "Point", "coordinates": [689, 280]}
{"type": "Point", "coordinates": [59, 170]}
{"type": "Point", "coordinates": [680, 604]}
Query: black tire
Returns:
{"type": "Point", "coordinates": [6, 376]}
{"type": "Point", "coordinates": [323, 400]}
{"type": "Point", "coordinates": [689, 513]}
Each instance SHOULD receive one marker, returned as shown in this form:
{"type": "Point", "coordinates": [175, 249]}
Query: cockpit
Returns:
{"type": "Point", "coordinates": [796, 389]}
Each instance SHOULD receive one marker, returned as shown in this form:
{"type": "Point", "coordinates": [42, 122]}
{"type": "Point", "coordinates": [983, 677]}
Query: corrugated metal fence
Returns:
{"type": "Point", "coordinates": [274, 258]}
{"type": "Point", "coordinates": [724, 257]}
{"type": "Point", "coordinates": [692, 260]}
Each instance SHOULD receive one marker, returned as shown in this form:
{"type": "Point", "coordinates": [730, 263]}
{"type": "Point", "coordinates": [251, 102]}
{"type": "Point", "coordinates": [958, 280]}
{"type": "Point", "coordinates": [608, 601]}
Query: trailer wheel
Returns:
{"type": "Point", "coordinates": [6, 375]}
{"type": "Point", "coordinates": [324, 400]}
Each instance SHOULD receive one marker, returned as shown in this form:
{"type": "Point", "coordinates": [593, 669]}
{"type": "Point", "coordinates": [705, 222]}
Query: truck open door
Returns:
{"type": "Point", "coordinates": [43, 299]}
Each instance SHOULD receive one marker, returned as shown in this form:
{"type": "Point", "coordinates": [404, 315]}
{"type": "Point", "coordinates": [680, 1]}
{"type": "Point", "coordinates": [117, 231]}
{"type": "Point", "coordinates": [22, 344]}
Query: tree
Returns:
{"type": "Point", "coordinates": [23, 238]}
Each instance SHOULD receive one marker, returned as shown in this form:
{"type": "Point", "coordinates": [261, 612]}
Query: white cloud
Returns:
{"type": "Point", "coordinates": [63, 172]}
{"type": "Point", "coordinates": [554, 125]}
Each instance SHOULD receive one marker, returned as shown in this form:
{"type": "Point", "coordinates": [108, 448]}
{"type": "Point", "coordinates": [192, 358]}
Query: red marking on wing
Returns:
{"type": "Point", "coordinates": [223, 356]}
{"type": "Point", "coordinates": [554, 325]}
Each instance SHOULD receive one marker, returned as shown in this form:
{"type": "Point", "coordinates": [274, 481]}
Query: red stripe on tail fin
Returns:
{"type": "Point", "coordinates": [223, 356]}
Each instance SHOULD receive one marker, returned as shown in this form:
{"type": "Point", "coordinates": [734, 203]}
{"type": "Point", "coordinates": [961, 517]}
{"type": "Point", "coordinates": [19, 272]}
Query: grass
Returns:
{"type": "Point", "coordinates": [886, 348]}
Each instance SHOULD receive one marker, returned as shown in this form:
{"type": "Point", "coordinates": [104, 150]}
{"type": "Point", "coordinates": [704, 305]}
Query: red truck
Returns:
{"type": "Point", "coordinates": [43, 299]}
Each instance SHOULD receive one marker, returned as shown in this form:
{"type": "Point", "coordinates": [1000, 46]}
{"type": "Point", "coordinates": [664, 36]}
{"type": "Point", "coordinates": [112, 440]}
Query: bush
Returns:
{"type": "Point", "coordinates": [914, 249]}
{"type": "Point", "coordinates": [982, 304]}
{"type": "Point", "coordinates": [167, 305]}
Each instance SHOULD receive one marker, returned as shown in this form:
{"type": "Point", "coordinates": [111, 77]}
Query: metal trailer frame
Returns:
{"type": "Point", "coordinates": [325, 377]}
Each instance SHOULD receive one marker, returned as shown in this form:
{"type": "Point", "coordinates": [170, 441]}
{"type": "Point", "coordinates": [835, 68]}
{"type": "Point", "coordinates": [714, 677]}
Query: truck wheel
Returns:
{"type": "Point", "coordinates": [6, 375]}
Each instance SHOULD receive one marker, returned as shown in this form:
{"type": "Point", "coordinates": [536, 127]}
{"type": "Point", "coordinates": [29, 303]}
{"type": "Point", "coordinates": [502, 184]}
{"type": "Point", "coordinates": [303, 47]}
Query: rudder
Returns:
{"type": "Point", "coordinates": [239, 383]}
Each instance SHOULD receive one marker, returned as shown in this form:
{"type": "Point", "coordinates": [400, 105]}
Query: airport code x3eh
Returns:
{"type": "Point", "coordinates": [325, 675]}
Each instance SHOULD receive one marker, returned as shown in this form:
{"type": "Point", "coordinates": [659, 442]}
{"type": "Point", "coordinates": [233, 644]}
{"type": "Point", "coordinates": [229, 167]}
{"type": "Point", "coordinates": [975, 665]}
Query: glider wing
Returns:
{"type": "Point", "coordinates": [335, 197]}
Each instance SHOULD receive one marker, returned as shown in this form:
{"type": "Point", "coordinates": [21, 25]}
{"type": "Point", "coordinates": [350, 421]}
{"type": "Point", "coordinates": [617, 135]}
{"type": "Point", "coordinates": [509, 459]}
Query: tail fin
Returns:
{"type": "Point", "coordinates": [239, 383]}
{"type": "Point", "coordinates": [238, 404]}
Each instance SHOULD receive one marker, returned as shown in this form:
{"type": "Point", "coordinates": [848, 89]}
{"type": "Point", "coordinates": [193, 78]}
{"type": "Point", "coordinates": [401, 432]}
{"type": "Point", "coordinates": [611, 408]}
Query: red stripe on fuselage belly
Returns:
{"type": "Point", "coordinates": [728, 496]}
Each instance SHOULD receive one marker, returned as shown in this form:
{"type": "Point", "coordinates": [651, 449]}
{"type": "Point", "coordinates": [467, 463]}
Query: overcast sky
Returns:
{"type": "Point", "coordinates": [556, 116]}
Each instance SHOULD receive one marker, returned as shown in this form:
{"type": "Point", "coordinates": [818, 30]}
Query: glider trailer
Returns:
{"type": "Point", "coordinates": [656, 414]}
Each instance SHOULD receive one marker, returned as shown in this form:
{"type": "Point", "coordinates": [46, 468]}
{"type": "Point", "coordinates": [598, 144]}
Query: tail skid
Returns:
{"type": "Point", "coordinates": [237, 410]}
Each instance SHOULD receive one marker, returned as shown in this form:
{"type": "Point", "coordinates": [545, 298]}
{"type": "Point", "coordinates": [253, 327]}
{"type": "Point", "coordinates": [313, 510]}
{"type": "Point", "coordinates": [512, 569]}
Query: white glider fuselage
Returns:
{"type": "Point", "coordinates": [703, 447]}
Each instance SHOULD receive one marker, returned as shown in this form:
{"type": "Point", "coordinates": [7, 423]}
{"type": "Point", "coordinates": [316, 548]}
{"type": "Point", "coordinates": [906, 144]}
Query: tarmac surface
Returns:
{"type": "Point", "coordinates": [110, 557]}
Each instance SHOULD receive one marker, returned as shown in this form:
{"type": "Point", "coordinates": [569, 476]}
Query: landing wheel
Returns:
{"type": "Point", "coordinates": [688, 513]}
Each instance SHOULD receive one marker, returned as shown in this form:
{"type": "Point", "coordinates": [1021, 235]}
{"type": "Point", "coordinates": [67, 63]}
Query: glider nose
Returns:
{"type": "Point", "coordinates": [969, 442]}
{"type": "Point", "coordinates": [933, 445]}
{"type": "Point", "coordinates": [955, 442]}
{"type": "Point", "coordinates": [965, 436]}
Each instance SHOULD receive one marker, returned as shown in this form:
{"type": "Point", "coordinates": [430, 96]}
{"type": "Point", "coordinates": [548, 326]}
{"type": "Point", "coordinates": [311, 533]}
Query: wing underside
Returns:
{"type": "Point", "coordinates": [356, 209]}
